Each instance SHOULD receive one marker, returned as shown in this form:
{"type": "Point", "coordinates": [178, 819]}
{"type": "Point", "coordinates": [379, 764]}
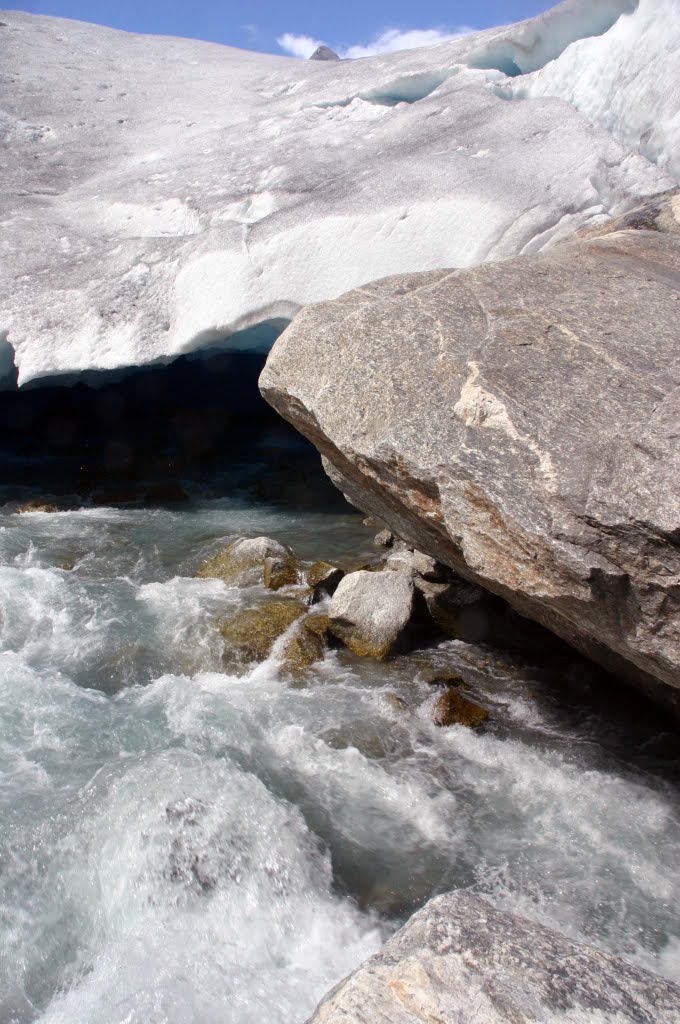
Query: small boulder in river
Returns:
{"type": "Point", "coordinates": [281, 570]}
{"type": "Point", "coordinates": [305, 646]}
{"type": "Point", "coordinates": [323, 579]}
{"type": "Point", "coordinates": [460, 961]}
{"type": "Point", "coordinates": [37, 505]}
{"type": "Point", "coordinates": [370, 612]}
{"type": "Point", "coordinates": [452, 708]}
{"type": "Point", "coordinates": [252, 632]}
{"type": "Point", "coordinates": [245, 560]}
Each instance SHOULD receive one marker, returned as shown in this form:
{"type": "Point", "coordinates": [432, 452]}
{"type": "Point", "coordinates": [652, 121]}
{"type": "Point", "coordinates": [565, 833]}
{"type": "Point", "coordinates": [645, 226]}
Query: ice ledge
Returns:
{"type": "Point", "coordinates": [144, 219]}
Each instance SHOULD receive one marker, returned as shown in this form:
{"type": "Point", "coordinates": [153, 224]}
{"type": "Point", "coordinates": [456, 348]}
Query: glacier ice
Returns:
{"type": "Point", "coordinates": [532, 44]}
{"type": "Point", "coordinates": [160, 194]}
{"type": "Point", "coordinates": [626, 81]}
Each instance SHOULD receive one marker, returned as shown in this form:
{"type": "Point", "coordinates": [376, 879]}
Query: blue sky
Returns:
{"type": "Point", "coordinates": [354, 27]}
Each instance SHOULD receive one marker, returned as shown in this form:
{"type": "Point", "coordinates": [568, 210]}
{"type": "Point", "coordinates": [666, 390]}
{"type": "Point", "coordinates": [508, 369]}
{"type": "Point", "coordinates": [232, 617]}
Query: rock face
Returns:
{"type": "Point", "coordinates": [142, 219]}
{"type": "Point", "coordinates": [518, 422]}
{"type": "Point", "coordinates": [371, 611]}
{"type": "Point", "coordinates": [459, 961]}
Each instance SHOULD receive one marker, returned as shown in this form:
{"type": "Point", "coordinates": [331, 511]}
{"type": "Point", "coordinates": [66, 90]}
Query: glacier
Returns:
{"type": "Point", "coordinates": [627, 81]}
{"type": "Point", "coordinates": [163, 195]}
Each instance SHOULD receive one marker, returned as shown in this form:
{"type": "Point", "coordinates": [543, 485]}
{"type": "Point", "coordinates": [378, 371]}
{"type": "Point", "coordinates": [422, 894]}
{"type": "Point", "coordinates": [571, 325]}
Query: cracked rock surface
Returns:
{"type": "Point", "coordinates": [519, 423]}
{"type": "Point", "coordinates": [459, 961]}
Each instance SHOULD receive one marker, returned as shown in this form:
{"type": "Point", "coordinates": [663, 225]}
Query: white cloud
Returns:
{"type": "Point", "coordinates": [393, 39]}
{"type": "Point", "coordinates": [388, 41]}
{"type": "Point", "coordinates": [298, 46]}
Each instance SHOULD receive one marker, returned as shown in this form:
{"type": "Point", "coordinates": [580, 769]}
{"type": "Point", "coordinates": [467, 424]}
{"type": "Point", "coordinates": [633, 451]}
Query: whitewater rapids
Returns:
{"type": "Point", "coordinates": [179, 844]}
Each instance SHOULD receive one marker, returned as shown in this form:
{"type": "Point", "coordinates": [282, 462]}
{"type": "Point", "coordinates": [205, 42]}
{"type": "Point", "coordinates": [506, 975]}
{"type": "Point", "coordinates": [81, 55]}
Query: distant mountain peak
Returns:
{"type": "Point", "coordinates": [324, 53]}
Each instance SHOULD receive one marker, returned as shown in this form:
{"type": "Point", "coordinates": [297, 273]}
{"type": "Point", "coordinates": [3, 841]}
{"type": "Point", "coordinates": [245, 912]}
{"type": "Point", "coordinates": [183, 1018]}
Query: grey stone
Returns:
{"type": "Point", "coordinates": [324, 53]}
{"type": "Point", "coordinates": [518, 422]}
{"type": "Point", "coordinates": [370, 612]}
{"type": "Point", "coordinates": [416, 563]}
{"type": "Point", "coordinates": [459, 961]}
{"type": "Point", "coordinates": [384, 539]}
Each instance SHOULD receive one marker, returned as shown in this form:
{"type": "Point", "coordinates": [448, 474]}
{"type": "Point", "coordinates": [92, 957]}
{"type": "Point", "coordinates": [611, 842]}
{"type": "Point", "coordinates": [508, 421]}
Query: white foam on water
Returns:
{"type": "Point", "coordinates": [200, 894]}
{"type": "Point", "coordinates": [179, 844]}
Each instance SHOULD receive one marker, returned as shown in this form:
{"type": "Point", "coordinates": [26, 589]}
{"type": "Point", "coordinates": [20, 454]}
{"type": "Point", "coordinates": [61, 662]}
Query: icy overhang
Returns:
{"type": "Point", "coordinates": [160, 194]}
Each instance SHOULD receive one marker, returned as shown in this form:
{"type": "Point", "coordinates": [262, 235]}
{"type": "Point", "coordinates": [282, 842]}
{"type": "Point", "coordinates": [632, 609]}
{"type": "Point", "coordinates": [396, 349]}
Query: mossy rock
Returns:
{"type": "Point", "coordinates": [281, 572]}
{"type": "Point", "coordinates": [252, 632]}
{"type": "Point", "coordinates": [319, 625]}
{"type": "Point", "coordinates": [443, 677]}
{"type": "Point", "coordinates": [303, 648]}
{"type": "Point", "coordinates": [452, 708]}
{"type": "Point", "coordinates": [37, 505]}
{"type": "Point", "coordinates": [323, 579]}
{"type": "Point", "coordinates": [243, 561]}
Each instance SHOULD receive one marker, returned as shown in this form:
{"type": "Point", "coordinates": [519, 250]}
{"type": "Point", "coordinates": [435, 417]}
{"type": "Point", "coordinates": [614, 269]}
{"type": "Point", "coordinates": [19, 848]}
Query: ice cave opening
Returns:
{"type": "Point", "coordinates": [155, 433]}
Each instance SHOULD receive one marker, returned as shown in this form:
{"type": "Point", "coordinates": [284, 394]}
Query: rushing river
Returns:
{"type": "Point", "coordinates": [179, 844]}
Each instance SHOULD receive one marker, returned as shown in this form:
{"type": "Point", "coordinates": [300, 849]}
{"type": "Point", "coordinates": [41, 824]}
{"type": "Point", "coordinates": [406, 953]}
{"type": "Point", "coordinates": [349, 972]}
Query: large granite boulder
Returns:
{"type": "Point", "coordinates": [519, 423]}
{"type": "Point", "coordinates": [459, 961]}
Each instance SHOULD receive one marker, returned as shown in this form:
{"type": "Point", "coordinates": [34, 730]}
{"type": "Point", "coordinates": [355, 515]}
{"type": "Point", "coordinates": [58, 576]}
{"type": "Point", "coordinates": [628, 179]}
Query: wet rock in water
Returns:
{"type": "Point", "coordinates": [319, 625]}
{"type": "Point", "coordinates": [370, 612]}
{"type": "Point", "coordinates": [460, 961]}
{"type": "Point", "coordinates": [384, 539]}
{"type": "Point", "coordinates": [37, 505]}
{"type": "Point", "coordinates": [395, 702]}
{"type": "Point", "coordinates": [242, 562]}
{"type": "Point", "coordinates": [305, 646]}
{"type": "Point", "coordinates": [323, 579]}
{"type": "Point", "coordinates": [443, 677]}
{"type": "Point", "coordinates": [189, 810]}
{"type": "Point", "coordinates": [186, 865]}
{"type": "Point", "coordinates": [452, 708]}
{"type": "Point", "coordinates": [371, 742]}
{"type": "Point", "coordinates": [252, 632]}
{"type": "Point", "coordinates": [281, 571]}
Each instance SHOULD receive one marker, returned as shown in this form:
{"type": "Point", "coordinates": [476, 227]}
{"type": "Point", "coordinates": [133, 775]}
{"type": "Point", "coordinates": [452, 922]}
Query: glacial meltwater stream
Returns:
{"type": "Point", "coordinates": [184, 845]}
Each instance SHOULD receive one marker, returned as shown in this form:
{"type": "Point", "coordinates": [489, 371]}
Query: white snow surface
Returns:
{"type": "Point", "coordinates": [159, 194]}
{"type": "Point", "coordinates": [626, 81]}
